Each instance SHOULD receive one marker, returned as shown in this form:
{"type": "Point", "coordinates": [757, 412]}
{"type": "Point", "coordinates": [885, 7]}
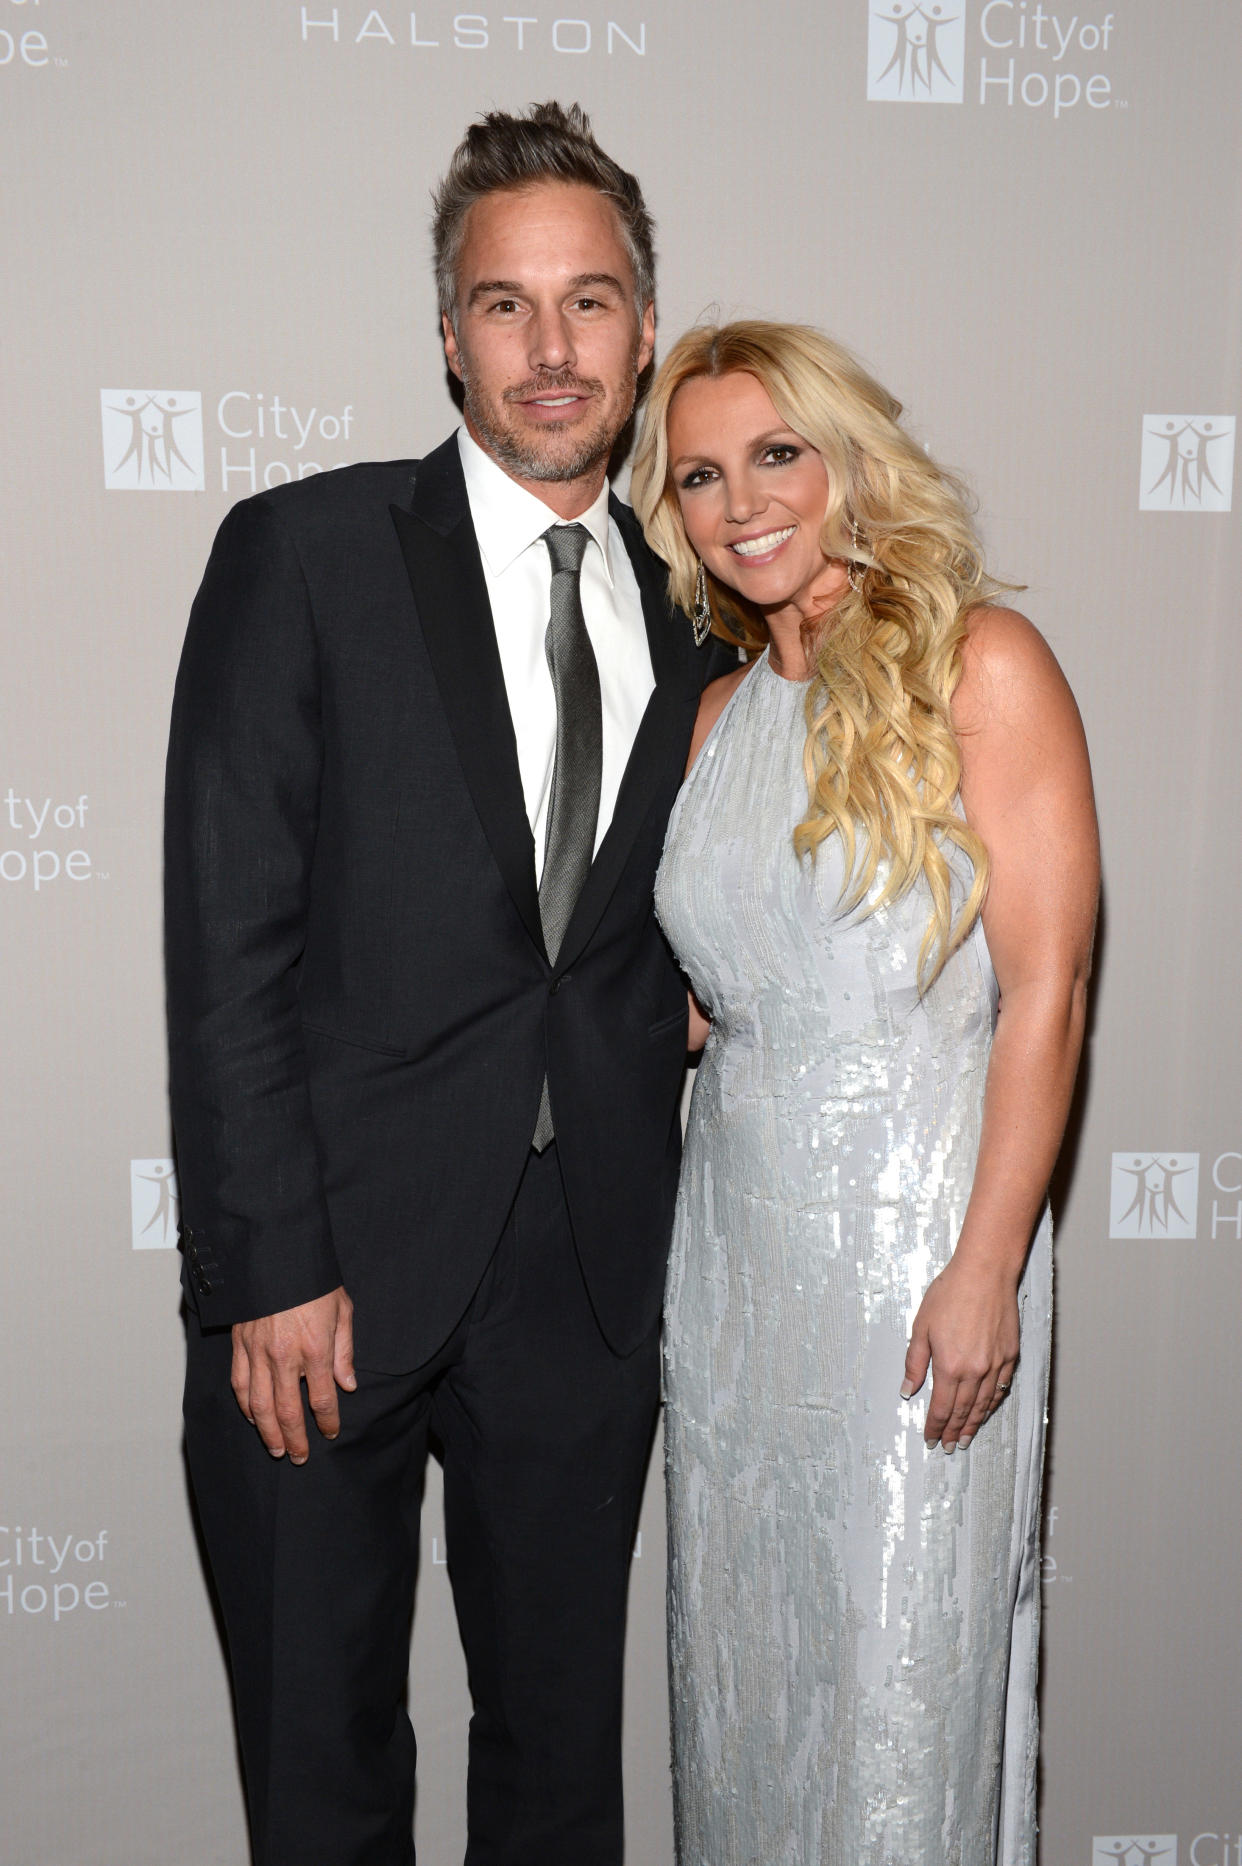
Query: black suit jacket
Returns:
{"type": "Point", "coordinates": [361, 1010]}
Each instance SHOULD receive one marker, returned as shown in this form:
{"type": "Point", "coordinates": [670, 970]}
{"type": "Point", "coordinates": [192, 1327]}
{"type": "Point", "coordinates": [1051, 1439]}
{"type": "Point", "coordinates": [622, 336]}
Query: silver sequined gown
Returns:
{"type": "Point", "coordinates": [853, 1620]}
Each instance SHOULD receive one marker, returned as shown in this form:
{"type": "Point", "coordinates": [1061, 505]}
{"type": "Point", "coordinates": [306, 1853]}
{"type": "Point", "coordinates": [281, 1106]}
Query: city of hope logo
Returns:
{"type": "Point", "coordinates": [49, 1576]}
{"type": "Point", "coordinates": [1154, 1195]}
{"type": "Point", "coordinates": [925, 52]}
{"type": "Point", "coordinates": [1187, 463]}
{"type": "Point", "coordinates": [1134, 1850]}
{"type": "Point", "coordinates": [916, 51]}
{"type": "Point", "coordinates": [154, 1203]}
{"type": "Point", "coordinates": [152, 440]}
{"type": "Point", "coordinates": [33, 861]}
{"type": "Point", "coordinates": [162, 440]}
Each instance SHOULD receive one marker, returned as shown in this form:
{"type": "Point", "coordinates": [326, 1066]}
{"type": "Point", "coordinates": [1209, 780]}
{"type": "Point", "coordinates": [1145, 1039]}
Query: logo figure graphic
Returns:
{"type": "Point", "coordinates": [1154, 1195]}
{"type": "Point", "coordinates": [1187, 463]}
{"type": "Point", "coordinates": [916, 51]}
{"type": "Point", "coordinates": [152, 439]}
{"type": "Point", "coordinates": [1134, 1849]}
{"type": "Point", "coordinates": [154, 1204]}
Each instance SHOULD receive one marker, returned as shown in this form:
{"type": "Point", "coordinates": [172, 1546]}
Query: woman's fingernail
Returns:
{"type": "Point", "coordinates": [963, 1442]}
{"type": "Point", "coordinates": [907, 1389]}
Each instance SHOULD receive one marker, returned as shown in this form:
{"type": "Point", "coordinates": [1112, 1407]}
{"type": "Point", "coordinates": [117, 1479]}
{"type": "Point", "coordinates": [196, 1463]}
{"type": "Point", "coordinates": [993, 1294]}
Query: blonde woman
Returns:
{"type": "Point", "coordinates": [885, 834]}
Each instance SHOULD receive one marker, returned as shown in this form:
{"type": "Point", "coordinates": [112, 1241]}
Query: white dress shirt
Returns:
{"type": "Point", "coordinates": [509, 523]}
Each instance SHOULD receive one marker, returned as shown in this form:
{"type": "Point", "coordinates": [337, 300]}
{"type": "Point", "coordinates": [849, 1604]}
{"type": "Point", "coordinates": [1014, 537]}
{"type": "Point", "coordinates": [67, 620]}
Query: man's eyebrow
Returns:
{"type": "Point", "coordinates": [486, 288]}
{"type": "Point", "coordinates": [584, 279]}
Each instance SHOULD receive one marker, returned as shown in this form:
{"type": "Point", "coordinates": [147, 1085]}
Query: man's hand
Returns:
{"type": "Point", "coordinates": [273, 1355]}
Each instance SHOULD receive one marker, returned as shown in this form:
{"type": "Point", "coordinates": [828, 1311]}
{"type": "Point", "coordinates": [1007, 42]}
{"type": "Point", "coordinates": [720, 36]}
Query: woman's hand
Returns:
{"type": "Point", "coordinates": [967, 1331]}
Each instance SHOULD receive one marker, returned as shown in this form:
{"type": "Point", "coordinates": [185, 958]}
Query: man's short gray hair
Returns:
{"type": "Point", "coordinates": [550, 143]}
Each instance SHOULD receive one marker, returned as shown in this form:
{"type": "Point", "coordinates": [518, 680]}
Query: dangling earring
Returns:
{"type": "Point", "coordinates": [852, 574]}
{"type": "Point", "coordinates": [701, 614]}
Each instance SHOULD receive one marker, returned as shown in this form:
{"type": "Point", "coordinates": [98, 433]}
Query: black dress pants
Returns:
{"type": "Point", "coordinates": [545, 1434]}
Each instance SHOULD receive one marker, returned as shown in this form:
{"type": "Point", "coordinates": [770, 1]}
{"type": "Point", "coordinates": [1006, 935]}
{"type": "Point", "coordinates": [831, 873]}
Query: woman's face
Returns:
{"type": "Point", "coordinates": [753, 495]}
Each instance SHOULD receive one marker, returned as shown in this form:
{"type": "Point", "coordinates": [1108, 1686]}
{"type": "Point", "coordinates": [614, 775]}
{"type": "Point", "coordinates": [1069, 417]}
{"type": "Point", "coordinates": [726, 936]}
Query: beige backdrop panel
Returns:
{"type": "Point", "coordinates": [1033, 239]}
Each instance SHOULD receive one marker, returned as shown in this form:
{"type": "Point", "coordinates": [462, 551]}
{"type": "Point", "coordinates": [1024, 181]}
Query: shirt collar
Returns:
{"type": "Point", "coordinates": [508, 519]}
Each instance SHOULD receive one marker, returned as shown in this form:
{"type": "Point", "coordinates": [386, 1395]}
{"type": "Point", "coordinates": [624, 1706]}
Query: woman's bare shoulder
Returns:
{"type": "Point", "coordinates": [716, 696]}
{"type": "Point", "coordinates": [996, 635]}
{"type": "Point", "coordinates": [1007, 669]}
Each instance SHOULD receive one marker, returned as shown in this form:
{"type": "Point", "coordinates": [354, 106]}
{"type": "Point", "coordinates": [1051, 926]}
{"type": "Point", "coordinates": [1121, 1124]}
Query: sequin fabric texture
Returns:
{"type": "Point", "coordinates": [853, 1620]}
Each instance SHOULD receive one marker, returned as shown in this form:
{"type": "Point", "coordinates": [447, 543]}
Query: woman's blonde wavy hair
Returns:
{"type": "Point", "coordinates": [882, 760]}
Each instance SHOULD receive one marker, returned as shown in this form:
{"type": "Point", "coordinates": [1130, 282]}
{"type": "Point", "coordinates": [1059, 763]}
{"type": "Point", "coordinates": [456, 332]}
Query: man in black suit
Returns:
{"type": "Point", "coordinates": [426, 1045]}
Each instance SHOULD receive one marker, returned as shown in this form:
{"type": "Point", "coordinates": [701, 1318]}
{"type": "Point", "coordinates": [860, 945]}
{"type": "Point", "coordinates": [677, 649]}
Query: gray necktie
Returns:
{"type": "Point", "coordinates": [573, 810]}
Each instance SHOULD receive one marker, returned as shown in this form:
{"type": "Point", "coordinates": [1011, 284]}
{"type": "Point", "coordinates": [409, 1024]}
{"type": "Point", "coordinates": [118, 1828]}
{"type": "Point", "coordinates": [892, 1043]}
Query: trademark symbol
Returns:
{"type": "Point", "coordinates": [1121, 103]}
{"type": "Point", "coordinates": [60, 63]}
{"type": "Point", "coordinates": [120, 1603]}
{"type": "Point", "coordinates": [103, 874]}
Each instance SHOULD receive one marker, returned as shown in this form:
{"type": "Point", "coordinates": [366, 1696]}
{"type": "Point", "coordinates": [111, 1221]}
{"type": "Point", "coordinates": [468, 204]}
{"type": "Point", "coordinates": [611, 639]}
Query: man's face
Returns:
{"type": "Point", "coordinates": [547, 341]}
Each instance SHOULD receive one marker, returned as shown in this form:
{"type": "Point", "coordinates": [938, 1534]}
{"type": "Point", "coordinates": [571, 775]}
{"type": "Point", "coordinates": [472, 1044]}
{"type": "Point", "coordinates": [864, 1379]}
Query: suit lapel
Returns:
{"type": "Point", "coordinates": [450, 595]}
{"type": "Point", "coordinates": [660, 743]}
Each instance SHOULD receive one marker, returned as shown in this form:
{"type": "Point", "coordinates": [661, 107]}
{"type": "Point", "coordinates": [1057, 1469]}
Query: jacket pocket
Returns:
{"type": "Point", "coordinates": [665, 1024]}
{"type": "Point", "coordinates": [355, 1042]}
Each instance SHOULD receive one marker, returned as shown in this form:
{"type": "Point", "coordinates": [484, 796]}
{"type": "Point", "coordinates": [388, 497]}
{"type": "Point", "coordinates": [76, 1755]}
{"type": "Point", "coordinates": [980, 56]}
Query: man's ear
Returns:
{"type": "Point", "coordinates": [452, 355]}
{"type": "Point", "coordinates": [646, 337]}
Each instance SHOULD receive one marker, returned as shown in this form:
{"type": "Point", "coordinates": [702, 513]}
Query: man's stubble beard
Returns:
{"type": "Point", "coordinates": [560, 457]}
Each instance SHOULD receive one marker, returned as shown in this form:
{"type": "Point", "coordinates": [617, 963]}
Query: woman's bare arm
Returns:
{"type": "Point", "coordinates": [1026, 791]}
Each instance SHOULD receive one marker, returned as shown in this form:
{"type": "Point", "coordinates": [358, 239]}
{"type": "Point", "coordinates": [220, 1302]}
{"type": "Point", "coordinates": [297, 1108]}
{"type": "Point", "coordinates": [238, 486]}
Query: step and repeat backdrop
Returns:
{"type": "Point", "coordinates": [1025, 217]}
